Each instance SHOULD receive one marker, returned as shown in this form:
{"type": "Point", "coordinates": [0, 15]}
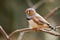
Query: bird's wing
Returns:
{"type": "Point", "coordinates": [40, 19]}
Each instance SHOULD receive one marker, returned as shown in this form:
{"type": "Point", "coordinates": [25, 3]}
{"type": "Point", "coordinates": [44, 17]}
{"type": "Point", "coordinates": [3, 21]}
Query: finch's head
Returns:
{"type": "Point", "coordinates": [30, 12]}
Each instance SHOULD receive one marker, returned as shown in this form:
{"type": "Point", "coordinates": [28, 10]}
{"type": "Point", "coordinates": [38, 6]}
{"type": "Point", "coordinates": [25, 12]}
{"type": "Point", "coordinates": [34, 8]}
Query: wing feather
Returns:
{"type": "Point", "coordinates": [41, 19]}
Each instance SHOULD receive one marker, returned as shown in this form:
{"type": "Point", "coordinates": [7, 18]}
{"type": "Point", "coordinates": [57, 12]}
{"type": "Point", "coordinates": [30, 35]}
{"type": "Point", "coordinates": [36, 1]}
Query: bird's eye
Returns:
{"type": "Point", "coordinates": [30, 12]}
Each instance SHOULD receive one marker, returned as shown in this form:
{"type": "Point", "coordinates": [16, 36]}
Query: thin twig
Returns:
{"type": "Point", "coordinates": [57, 27]}
{"type": "Point", "coordinates": [44, 30]}
{"type": "Point", "coordinates": [51, 32]}
{"type": "Point", "coordinates": [30, 4]}
{"type": "Point", "coordinates": [4, 33]}
{"type": "Point", "coordinates": [21, 36]}
{"type": "Point", "coordinates": [51, 13]}
{"type": "Point", "coordinates": [19, 30]}
{"type": "Point", "coordinates": [35, 6]}
{"type": "Point", "coordinates": [38, 4]}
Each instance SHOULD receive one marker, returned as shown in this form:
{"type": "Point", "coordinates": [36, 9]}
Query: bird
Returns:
{"type": "Point", "coordinates": [36, 21]}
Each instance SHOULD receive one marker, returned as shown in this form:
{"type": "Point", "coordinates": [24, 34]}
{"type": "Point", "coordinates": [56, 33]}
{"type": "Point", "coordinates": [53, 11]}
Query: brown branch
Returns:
{"type": "Point", "coordinates": [4, 33]}
{"type": "Point", "coordinates": [27, 29]}
{"type": "Point", "coordinates": [44, 30]}
{"type": "Point", "coordinates": [51, 13]}
{"type": "Point", "coordinates": [19, 30]}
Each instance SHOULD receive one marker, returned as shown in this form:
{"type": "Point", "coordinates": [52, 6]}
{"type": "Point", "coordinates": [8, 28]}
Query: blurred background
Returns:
{"type": "Point", "coordinates": [12, 17]}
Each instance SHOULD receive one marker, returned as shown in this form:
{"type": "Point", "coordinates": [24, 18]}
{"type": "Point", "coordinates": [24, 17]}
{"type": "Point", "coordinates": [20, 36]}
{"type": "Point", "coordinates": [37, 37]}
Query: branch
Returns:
{"type": "Point", "coordinates": [19, 30]}
{"type": "Point", "coordinates": [35, 6]}
{"type": "Point", "coordinates": [4, 33]}
{"type": "Point", "coordinates": [38, 4]}
{"type": "Point", "coordinates": [44, 30]}
{"type": "Point", "coordinates": [57, 27]}
{"type": "Point", "coordinates": [30, 4]}
{"type": "Point", "coordinates": [51, 12]}
{"type": "Point", "coordinates": [51, 32]}
{"type": "Point", "coordinates": [21, 36]}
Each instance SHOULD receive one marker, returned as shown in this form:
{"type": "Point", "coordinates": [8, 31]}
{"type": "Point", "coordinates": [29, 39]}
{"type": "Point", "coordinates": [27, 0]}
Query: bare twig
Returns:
{"type": "Point", "coordinates": [51, 32]}
{"type": "Point", "coordinates": [38, 4]}
{"type": "Point", "coordinates": [27, 29]}
{"type": "Point", "coordinates": [44, 30]}
{"type": "Point", "coordinates": [57, 27]}
{"type": "Point", "coordinates": [30, 4]}
{"type": "Point", "coordinates": [4, 33]}
{"type": "Point", "coordinates": [21, 36]}
{"type": "Point", "coordinates": [19, 30]}
{"type": "Point", "coordinates": [51, 13]}
{"type": "Point", "coordinates": [35, 6]}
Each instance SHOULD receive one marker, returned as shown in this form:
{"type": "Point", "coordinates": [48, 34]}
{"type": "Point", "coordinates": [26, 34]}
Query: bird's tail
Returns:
{"type": "Point", "coordinates": [53, 28]}
{"type": "Point", "coordinates": [21, 36]}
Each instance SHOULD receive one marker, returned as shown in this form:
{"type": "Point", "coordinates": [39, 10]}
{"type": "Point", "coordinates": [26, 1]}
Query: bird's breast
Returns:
{"type": "Point", "coordinates": [32, 23]}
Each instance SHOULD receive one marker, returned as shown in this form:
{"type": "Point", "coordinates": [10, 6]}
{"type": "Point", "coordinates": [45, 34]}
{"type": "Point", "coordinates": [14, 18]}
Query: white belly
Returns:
{"type": "Point", "coordinates": [32, 24]}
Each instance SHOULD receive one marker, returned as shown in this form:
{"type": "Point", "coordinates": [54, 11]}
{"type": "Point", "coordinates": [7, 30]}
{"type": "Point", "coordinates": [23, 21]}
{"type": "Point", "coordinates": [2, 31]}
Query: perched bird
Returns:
{"type": "Point", "coordinates": [36, 21]}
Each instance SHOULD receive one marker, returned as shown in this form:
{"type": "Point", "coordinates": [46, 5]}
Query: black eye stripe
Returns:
{"type": "Point", "coordinates": [28, 19]}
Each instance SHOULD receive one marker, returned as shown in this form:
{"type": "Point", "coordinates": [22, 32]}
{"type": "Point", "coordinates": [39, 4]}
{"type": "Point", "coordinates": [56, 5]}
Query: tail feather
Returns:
{"type": "Point", "coordinates": [53, 28]}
